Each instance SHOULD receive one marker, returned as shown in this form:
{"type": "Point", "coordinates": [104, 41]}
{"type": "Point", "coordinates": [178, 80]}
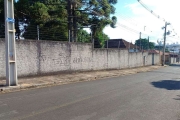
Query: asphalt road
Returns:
{"type": "Point", "coordinates": [151, 95]}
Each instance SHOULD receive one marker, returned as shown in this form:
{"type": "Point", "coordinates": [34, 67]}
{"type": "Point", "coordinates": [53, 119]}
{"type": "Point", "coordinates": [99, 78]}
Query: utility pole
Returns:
{"type": "Point", "coordinates": [11, 71]}
{"type": "Point", "coordinates": [148, 43]}
{"type": "Point", "coordinates": [74, 5]}
{"type": "Point", "coordinates": [140, 39]}
{"type": "Point", "coordinates": [37, 32]}
{"type": "Point", "coordinates": [173, 56]}
{"type": "Point", "coordinates": [70, 21]}
{"type": "Point", "coordinates": [163, 62]}
{"type": "Point", "coordinates": [165, 30]}
{"type": "Point", "coordinates": [160, 46]}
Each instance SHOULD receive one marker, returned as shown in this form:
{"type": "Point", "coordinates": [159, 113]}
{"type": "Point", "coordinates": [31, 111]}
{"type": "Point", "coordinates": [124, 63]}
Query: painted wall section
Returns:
{"type": "Point", "coordinates": [47, 57]}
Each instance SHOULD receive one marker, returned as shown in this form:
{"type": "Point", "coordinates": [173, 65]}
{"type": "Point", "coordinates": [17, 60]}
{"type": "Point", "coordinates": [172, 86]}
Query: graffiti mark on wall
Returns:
{"type": "Point", "coordinates": [80, 60]}
{"type": "Point", "coordinates": [61, 59]}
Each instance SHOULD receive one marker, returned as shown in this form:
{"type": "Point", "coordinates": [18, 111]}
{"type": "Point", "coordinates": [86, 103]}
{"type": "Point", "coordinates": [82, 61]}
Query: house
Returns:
{"type": "Point", "coordinates": [154, 51]}
{"type": "Point", "coordinates": [169, 57]}
{"type": "Point", "coordinates": [122, 44]}
{"type": "Point", "coordinates": [174, 57]}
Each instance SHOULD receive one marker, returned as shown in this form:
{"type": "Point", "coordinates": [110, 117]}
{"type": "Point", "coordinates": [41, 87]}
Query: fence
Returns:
{"type": "Point", "coordinates": [63, 20]}
{"type": "Point", "coordinates": [38, 32]}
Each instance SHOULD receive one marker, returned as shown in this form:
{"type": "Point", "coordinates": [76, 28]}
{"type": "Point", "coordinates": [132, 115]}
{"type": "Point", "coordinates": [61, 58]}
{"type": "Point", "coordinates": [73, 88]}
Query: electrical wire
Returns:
{"type": "Point", "coordinates": [145, 6]}
{"type": "Point", "coordinates": [157, 16]}
{"type": "Point", "coordinates": [131, 29]}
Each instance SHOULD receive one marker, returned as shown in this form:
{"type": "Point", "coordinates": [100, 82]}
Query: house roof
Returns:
{"type": "Point", "coordinates": [120, 43]}
{"type": "Point", "coordinates": [153, 51]}
{"type": "Point", "coordinates": [157, 52]}
{"type": "Point", "coordinates": [129, 45]}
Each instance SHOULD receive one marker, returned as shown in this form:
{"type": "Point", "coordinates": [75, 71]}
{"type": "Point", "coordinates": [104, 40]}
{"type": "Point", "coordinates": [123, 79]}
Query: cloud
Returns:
{"type": "Point", "coordinates": [139, 18]}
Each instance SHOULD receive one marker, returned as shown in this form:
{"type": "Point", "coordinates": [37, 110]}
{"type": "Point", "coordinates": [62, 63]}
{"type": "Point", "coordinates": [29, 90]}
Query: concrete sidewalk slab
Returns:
{"type": "Point", "coordinates": [45, 81]}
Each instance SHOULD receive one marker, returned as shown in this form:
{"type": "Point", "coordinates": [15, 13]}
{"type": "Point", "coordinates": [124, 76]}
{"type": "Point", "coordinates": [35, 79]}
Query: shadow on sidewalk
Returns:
{"type": "Point", "coordinates": [167, 84]}
{"type": "Point", "coordinates": [2, 83]}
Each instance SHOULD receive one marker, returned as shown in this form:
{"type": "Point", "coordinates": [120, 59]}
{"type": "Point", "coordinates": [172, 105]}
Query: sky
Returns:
{"type": "Point", "coordinates": [133, 18]}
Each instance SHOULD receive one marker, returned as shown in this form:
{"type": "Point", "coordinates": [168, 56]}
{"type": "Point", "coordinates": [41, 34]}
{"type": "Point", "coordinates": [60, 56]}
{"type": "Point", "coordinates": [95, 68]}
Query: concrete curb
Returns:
{"type": "Point", "coordinates": [73, 78]}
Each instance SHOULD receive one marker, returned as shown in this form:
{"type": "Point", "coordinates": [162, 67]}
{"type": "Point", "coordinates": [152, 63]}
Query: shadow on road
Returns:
{"type": "Point", "coordinates": [167, 84]}
{"type": "Point", "coordinates": [178, 97]}
{"type": "Point", "coordinates": [174, 73]}
{"type": "Point", "coordinates": [175, 65]}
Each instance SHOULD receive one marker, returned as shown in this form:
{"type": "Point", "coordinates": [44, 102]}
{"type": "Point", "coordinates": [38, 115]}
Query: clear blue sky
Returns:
{"type": "Point", "coordinates": [120, 6]}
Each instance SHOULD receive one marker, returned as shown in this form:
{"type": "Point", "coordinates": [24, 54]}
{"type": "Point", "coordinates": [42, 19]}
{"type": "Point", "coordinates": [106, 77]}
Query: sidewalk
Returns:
{"type": "Point", "coordinates": [45, 81]}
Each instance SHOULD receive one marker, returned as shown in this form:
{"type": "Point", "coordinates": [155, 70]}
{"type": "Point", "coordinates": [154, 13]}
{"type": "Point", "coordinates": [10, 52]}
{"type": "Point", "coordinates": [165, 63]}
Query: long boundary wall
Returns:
{"type": "Point", "coordinates": [47, 57]}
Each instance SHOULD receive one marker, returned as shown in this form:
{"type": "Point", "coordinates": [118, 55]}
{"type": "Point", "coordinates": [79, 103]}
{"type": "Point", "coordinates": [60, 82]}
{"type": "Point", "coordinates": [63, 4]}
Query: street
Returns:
{"type": "Point", "coordinates": [153, 95]}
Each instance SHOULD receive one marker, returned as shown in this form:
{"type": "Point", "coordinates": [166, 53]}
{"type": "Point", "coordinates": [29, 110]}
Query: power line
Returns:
{"type": "Point", "coordinates": [150, 10]}
{"type": "Point", "coordinates": [157, 16]}
{"type": "Point", "coordinates": [128, 18]}
{"type": "Point", "coordinates": [132, 21]}
{"type": "Point", "coordinates": [131, 29]}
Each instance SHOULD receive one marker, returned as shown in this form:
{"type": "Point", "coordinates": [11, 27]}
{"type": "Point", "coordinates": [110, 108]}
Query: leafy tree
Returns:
{"type": "Point", "coordinates": [159, 47]}
{"type": "Point", "coordinates": [51, 17]}
{"type": "Point", "coordinates": [2, 26]}
{"type": "Point", "coordinates": [97, 12]}
{"type": "Point", "coordinates": [101, 37]}
{"type": "Point", "coordinates": [151, 45]}
{"type": "Point", "coordinates": [1, 6]}
{"type": "Point", "coordinates": [145, 44]}
{"type": "Point", "coordinates": [39, 13]}
{"type": "Point", "coordinates": [83, 36]}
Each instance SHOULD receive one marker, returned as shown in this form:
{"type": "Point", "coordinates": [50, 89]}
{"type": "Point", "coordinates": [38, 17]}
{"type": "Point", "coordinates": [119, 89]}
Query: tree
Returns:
{"type": "Point", "coordinates": [1, 6]}
{"type": "Point", "coordinates": [2, 26]}
{"type": "Point", "coordinates": [102, 37]}
{"type": "Point", "coordinates": [96, 12]}
{"type": "Point", "coordinates": [83, 36]}
{"type": "Point", "coordinates": [159, 47]}
{"type": "Point", "coordinates": [51, 17]}
{"type": "Point", "coordinates": [145, 44]}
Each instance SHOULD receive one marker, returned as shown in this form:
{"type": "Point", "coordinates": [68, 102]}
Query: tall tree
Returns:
{"type": "Point", "coordinates": [51, 17]}
{"type": "Point", "coordinates": [2, 26]}
{"type": "Point", "coordinates": [96, 14]}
